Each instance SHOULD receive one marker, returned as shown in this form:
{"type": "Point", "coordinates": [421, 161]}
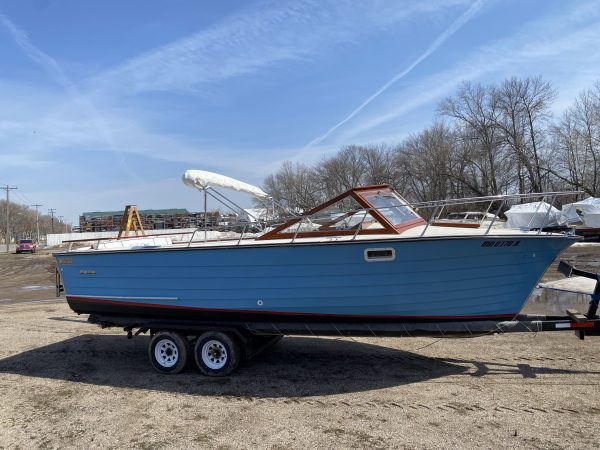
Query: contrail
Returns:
{"type": "Point", "coordinates": [35, 53]}
{"type": "Point", "coordinates": [453, 28]}
{"type": "Point", "coordinates": [47, 63]}
{"type": "Point", "coordinates": [55, 71]}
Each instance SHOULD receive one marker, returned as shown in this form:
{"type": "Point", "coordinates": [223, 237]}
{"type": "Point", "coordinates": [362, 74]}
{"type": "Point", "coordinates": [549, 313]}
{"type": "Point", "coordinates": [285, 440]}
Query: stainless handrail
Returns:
{"type": "Point", "coordinates": [453, 201]}
{"type": "Point", "coordinates": [360, 225]}
{"type": "Point", "coordinates": [547, 213]}
{"type": "Point", "coordinates": [298, 228]}
{"type": "Point", "coordinates": [430, 220]}
{"type": "Point", "coordinates": [192, 238]}
{"type": "Point", "coordinates": [543, 200]}
{"type": "Point", "coordinates": [502, 203]}
{"type": "Point", "coordinates": [242, 234]}
{"type": "Point", "coordinates": [437, 206]}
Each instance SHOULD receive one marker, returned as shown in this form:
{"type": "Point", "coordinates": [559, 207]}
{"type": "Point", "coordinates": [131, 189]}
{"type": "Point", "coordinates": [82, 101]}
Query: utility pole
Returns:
{"type": "Point", "coordinates": [7, 188]}
{"type": "Point", "coordinates": [51, 211]}
{"type": "Point", "coordinates": [37, 220]}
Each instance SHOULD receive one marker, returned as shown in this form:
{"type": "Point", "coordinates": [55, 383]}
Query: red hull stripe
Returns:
{"type": "Point", "coordinates": [282, 313]}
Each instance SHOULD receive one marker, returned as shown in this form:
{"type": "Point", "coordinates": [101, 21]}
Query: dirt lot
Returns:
{"type": "Point", "coordinates": [65, 383]}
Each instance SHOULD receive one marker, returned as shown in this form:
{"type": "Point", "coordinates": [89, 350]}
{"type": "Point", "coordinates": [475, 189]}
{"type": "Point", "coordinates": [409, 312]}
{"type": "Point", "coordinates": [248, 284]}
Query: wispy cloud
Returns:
{"type": "Point", "coordinates": [446, 34]}
{"type": "Point", "coordinates": [257, 38]}
{"type": "Point", "coordinates": [56, 73]}
{"type": "Point", "coordinates": [261, 36]}
{"type": "Point", "coordinates": [39, 135]}
{"type": "Point", "coordinates": [47, 63]}
{"type": "Point", "coordinates": [269, 39]}
{"type": "Point", "coordinates": [546, 45]}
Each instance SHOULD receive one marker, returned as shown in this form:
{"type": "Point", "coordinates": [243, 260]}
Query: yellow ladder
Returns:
{"type": "Point", "coordinates": [131, 218]}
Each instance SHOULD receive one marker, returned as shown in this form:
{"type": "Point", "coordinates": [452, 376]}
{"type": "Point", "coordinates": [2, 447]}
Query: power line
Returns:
{"type": "Point", "coordinates": [7, 188]}
{"type": "Point", "coordinates": [27, 199]}
{"type": "Point", "coordinates": [22, 197]}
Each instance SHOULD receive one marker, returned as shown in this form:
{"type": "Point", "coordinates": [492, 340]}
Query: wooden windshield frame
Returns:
{"type": "Point", "coordinates": [359, 194]}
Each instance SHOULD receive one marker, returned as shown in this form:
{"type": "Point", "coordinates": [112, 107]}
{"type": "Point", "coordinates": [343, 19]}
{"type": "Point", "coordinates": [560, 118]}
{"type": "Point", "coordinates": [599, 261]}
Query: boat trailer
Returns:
{"type": "Point", "coordinates": [218, 347]}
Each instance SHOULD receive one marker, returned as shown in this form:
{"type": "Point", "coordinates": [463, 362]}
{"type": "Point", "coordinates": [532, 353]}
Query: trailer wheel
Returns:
{"type": "Point", "coordinates": [217, 354]}
{"type": "Point", "coordinates": [168, 352]}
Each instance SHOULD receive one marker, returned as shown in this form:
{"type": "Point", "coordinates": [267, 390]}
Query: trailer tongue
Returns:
{"type": "Point", "coordinates": [569, 270]}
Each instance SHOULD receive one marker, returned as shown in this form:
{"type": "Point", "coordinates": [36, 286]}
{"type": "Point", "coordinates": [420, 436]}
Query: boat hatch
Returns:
{"type": "Point", "coordinates": [365, 210]}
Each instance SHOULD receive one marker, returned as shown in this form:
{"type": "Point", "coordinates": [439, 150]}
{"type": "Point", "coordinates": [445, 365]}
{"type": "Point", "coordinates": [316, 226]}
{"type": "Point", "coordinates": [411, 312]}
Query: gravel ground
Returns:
{"type": "Point", "coordinates": [65, 383]}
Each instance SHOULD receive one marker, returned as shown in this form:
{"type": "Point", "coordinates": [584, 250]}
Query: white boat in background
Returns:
{"type": "Point", "coordinates": [587, 213]}
{"type": "Point", "coordinates": [534, 215]}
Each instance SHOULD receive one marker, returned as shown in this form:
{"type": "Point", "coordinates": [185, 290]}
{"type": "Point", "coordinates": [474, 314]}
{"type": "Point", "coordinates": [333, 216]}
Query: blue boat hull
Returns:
{"type": "Point", "coordinates": [432, 279]}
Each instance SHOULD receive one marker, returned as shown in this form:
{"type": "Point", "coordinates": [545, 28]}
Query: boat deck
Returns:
{"type": "Point", "coordinates": [419, 232]}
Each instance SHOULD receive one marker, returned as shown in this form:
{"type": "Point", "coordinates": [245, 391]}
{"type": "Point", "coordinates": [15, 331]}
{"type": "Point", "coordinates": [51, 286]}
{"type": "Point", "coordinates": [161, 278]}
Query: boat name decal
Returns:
{"type": "Point", "coordinates": [65, 261]}
{"type": "Point", "coordinates": [87, 272]}
{"type": "Point", "coordinates": [500, 243]}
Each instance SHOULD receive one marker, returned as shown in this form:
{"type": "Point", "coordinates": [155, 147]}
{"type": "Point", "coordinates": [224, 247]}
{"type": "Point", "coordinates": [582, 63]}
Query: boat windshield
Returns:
{"type": "Point", "coordinates": [389, 204]}
{"type": "Point", "coordinates": [367, 210]}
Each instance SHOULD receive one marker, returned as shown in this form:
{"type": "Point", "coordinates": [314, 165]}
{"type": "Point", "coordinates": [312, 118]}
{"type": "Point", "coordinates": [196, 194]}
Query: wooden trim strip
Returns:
{"type": "Point", "coordinates": [455, 224]}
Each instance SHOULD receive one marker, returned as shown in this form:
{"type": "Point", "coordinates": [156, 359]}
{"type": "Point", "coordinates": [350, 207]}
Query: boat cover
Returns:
{"type": "Point", "coordinates": [255, 214]}
{"type": "Point", "coordinates": [533, 215]}
{"type": "Point", "coordinates": [587, 210]}
{"type": "Point", "coordinates": [201, 179]}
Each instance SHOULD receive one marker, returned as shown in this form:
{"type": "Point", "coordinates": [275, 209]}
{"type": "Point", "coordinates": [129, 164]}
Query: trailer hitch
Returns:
{"type": "Point", "coordinates": [569, 270]}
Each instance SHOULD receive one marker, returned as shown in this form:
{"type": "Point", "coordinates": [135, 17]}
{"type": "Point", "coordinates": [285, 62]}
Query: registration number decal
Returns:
{"type": "Point", "coordinates": [500, 243]}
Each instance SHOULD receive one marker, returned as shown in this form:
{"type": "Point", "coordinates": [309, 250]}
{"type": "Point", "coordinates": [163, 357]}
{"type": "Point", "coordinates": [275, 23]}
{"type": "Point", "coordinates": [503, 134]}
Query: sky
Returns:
{"type": "Point", "coordinates": [104, 104]}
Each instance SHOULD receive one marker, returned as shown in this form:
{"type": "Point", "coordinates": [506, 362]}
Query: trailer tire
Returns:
{"type": "Point", "coordinates": [217, 354]}
{"type": "Point", "coordinates": [168, 352]}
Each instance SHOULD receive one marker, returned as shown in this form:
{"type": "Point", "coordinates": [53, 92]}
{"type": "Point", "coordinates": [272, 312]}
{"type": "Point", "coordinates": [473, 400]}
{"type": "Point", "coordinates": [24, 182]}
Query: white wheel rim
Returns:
{"type": "Point", "coordinates": [214, 354]}
{"type": "Point", "coordinates": [166, 353]}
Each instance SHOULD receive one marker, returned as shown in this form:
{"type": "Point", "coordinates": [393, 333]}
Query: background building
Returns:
{"type": "Point", "coordinates": [152, 219]}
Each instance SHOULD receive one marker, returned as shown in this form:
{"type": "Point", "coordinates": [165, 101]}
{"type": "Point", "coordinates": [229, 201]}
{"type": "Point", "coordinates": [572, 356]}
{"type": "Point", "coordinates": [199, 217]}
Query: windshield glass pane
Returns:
{"type": "Point", "coordinates": [392, 207]}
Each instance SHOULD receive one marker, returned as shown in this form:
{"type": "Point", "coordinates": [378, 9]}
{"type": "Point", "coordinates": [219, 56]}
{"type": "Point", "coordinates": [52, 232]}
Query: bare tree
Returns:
{"type": "Point", "coordinates": [576, 143]}
{"type": "Point", "coordinates": [294, 186]}
{"type": "Point", "coordinates": [425, 159]}
{"type": "Point", "coordinates": [23, 222]}
{"type": "Point", "coordinates": [342, 171]}
{"type": "Point", "coordinates": [524, 106]}
{"type": "Point", "coordinates": [496, 141]}
{"type": "Point", "coordinates": [482, 163]}
{"type": "Point", "coordinates": [357, 165]}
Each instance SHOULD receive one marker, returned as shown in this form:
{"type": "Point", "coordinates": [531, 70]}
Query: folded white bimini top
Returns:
{"type": "Point", "coordinates": [201, 179]}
